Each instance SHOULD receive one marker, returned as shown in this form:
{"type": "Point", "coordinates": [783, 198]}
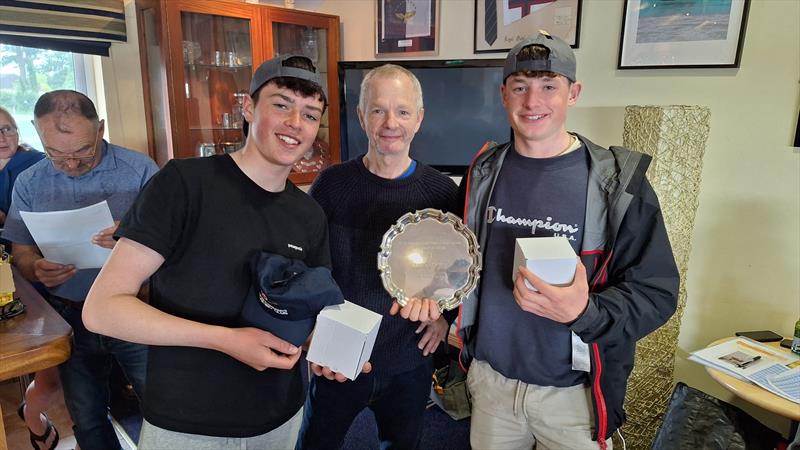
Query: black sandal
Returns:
{"type": "Point", "coordinates": [35, 437]}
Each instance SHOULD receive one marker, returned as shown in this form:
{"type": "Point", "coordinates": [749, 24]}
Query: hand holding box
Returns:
{"type": "Point", "coordinates": [343, 338]}
{"type": "Point", "coordinates": [550, 258]}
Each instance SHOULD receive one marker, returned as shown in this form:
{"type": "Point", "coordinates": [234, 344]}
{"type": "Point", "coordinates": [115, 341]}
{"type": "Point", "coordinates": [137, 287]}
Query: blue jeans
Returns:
{"type": "Point", "coordinates": [85, 375]}
{"type": "Point", "coordinates": [398, 402]}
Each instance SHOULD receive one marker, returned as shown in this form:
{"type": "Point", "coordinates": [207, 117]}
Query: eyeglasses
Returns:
{"type": "Point", "coordinates": [8, 131]}
{"type": "Point", "coordinates": [80, 155]}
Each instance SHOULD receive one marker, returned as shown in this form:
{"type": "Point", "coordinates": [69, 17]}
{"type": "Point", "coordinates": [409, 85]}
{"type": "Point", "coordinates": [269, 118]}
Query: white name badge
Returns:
{"type": "Point", "coordinates": [580, 354]}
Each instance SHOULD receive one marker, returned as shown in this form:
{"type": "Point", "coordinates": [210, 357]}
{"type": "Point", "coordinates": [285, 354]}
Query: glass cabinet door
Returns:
{"type": "Point", "coordinates": [312, 42]}
{"type": "Point", "coordinates": [217, 63]}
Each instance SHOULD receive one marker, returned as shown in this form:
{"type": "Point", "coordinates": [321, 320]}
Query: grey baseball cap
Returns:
{"type": "Point", "coordinates": [561, 59]}
{"type": "Point", "coordinates": [275, 68]}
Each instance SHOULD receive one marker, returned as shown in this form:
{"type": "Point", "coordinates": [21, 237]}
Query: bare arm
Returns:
{"type": "Point", "coordinates": [34, 267]}
{"type": "Point", "coordinates": [112, 309]}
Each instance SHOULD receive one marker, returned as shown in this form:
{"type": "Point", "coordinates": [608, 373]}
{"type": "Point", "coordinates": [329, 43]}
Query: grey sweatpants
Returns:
{"type": "Point", "coordinates": [283, 437]}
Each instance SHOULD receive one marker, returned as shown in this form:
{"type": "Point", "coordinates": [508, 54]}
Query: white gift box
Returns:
{"type": "Point", "coordinates": [550, 258]}
{"type": "Point", "coordinates": [343, 338]}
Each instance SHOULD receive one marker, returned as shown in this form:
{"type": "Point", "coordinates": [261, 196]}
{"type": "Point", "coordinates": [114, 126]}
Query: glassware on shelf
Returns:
{"type": "Point", "coordinates": [309, 46]}
{"type": "Point", "coordinates": [191, 52]}
{"type": "Point", "coordinates": [237, 111]}
{"type": "Point", "coordinates": [230, 147]}
{"type": "Point", "coordinates": [212, 63]}
{"type": "Point", "coordinates": [206, 149]}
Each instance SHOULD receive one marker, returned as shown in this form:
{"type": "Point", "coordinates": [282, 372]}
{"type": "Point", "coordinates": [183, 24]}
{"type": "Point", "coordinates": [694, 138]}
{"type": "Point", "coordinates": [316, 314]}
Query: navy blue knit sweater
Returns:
{"type": "Point", "coordinates": [361, 207]}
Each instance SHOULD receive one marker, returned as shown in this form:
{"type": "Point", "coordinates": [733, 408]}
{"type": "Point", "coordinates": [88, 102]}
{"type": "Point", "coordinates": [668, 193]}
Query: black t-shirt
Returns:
{"type": "Point", "coordinates": [207, 219]}
{"type": "Point", "coordinates": [532, 198]}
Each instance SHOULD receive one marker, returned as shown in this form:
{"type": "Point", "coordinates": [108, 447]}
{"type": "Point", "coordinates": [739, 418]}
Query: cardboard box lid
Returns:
{"type": "Point", "coordinates": [352, 315]}
{"type": "Point", "coordinates": [557, 247]}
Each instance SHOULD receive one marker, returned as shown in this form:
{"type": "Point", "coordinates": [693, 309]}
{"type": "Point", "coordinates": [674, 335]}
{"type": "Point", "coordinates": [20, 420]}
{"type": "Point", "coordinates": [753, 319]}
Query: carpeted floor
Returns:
{"type": "Point", "coordinates": [439, 433]}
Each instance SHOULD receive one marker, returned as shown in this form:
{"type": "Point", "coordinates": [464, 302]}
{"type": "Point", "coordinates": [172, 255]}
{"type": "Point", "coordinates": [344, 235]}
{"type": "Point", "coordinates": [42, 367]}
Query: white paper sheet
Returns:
{"type": "Point", "coordinates": [769, 364]}
{"type": "Point", "coordinates": [65, 237]}
{"type": "Point", "coordinates": [787, 384]}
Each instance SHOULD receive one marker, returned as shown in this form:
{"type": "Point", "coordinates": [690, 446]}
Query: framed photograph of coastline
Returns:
{"type": "Point", "coordinates": [501, 24]}
{"type": "Point", "coordinates": [406, 27]}
{"type": "Point", "coordinates": [682, 33]}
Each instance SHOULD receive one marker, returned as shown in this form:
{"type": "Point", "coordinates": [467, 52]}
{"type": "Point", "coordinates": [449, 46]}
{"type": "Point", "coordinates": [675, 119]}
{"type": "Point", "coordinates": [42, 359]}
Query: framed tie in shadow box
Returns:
{"type": "Point", "coordinates": [406, 27]}
{"type": "Point", "coordinates": [501, 24]}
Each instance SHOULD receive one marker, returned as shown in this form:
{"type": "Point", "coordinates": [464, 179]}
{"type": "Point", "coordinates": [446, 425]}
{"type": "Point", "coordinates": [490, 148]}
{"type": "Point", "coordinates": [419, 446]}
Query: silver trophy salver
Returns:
{"type": "Point", "coordinates": [430, 254]}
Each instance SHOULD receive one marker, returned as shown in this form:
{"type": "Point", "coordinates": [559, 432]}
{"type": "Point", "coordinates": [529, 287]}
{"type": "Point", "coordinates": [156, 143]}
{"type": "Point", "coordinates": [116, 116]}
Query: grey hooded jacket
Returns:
{"type": "Point", "coordinates": [633, 279]}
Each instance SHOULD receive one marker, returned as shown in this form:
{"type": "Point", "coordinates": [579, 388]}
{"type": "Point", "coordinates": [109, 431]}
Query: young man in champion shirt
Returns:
{"type": "Point", "coordinates": [549, 368]}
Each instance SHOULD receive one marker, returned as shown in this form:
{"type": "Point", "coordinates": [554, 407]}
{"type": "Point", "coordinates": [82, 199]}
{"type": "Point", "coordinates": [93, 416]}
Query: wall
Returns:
{"type": "Point", "coordinates": [122, 87]}
{"type": "Point", "coordinates": [744, 271]}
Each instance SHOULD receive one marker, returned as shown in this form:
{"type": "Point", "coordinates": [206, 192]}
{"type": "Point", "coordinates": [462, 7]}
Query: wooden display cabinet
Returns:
{"type": "Point", "coordinates": [198, 57]}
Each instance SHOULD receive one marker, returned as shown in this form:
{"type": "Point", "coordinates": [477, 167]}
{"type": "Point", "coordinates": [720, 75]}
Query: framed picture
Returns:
{"type": "Point", "coordinates": [682, 34]}
{"type": "Point", "coordinates": [406, 27]}
{"type": "Point", "coordinates": [501, 24]}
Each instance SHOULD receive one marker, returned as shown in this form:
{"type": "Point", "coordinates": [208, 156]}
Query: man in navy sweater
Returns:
{"type": "Point", "coordinates": [362, 198]}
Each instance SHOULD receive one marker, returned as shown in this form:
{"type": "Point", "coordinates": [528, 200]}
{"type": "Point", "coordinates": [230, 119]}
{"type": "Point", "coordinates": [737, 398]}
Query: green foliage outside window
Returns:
{"type": "Point", "coordinates": [25, 74]}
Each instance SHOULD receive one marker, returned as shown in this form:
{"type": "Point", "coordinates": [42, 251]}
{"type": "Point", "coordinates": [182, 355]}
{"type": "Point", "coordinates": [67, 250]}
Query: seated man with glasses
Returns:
{"type": "Point", "coordinates": [81, 170]}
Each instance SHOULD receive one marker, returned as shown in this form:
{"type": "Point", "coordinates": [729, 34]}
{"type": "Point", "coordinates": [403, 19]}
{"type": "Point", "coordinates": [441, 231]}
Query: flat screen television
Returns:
{"type": "Point", "coordinates": [462, 110]}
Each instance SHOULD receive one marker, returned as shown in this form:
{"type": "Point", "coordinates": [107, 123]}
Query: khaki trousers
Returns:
{"type": "Point", "coordinates": [508, 414]}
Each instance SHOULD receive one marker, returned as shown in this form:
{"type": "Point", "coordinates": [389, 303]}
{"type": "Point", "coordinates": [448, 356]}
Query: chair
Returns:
{"type": "Point", "coordinates": [697, 421]}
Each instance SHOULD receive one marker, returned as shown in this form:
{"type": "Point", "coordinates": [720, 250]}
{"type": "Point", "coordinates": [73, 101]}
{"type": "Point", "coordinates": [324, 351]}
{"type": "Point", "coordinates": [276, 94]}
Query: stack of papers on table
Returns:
{"type": "Point", "coordinates": [773, 369]}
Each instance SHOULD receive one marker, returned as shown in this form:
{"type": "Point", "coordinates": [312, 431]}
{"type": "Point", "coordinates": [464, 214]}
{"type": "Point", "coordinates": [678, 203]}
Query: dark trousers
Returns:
{"type": "Point", "coordinates": [398, 402]}
{"type": "Point", "coordinates": [85, 376]}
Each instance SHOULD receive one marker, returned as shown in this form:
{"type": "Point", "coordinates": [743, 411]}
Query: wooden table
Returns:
{"type": "Point", "coordinates": [756, 394]}
{"type": "Point", "coordinates": [33, 341]}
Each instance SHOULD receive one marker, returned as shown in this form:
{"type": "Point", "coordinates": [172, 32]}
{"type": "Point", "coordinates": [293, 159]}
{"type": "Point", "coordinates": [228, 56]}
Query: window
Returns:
{"type": "Point", "coordinates": [26, 73]}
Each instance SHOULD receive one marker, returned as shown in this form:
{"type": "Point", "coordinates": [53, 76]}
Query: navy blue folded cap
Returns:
{"type": "Point", "coordinates": [287, 295]}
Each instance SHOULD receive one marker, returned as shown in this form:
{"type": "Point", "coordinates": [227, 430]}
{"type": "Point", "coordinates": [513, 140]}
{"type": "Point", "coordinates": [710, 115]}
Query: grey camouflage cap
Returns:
{"type": "Point", "coordinates": [274, 68]}
{"type": "Point", "coordinates": [560, 61]}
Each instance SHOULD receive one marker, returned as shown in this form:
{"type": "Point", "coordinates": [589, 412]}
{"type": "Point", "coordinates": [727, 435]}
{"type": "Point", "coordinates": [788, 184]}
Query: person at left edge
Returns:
{"type": "Point", "coordinates": [193, 231]}
{"type": "Point", "coordinates": [14, 158]}
{"type": "Point", "coordinates": [81, 169]}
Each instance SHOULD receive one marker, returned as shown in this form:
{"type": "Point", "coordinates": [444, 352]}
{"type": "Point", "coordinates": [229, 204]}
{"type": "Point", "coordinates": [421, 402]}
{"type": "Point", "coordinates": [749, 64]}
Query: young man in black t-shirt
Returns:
{"type": "Point", "coordinates": [192, 231]}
